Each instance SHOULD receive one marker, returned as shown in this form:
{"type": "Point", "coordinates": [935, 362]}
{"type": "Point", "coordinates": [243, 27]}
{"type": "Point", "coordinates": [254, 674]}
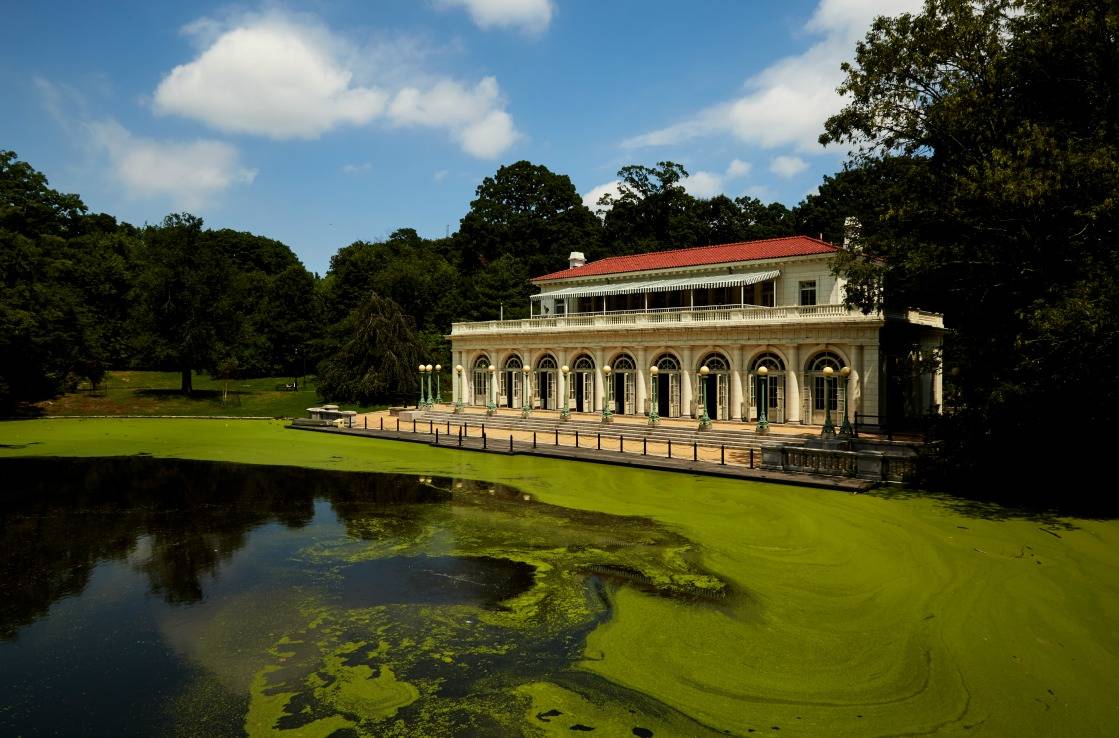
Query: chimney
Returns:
{"type": "Point", "coordinates": [576, 259]}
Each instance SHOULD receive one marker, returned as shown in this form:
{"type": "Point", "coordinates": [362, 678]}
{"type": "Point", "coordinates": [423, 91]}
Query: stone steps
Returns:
{"type": "Point", "coordinates": [744, 439]}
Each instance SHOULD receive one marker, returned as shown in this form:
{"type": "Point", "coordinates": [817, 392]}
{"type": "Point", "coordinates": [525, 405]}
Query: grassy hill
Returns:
{"type": "Point", "coordinates": [157, 393]}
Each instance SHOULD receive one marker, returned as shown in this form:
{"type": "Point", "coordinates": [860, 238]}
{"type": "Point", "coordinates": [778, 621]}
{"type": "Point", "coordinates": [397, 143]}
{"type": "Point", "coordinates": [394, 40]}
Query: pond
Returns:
{"type": "Point", "coordinates": [167, 597]}
{"type": "Point", "coordinates": [461, 594]}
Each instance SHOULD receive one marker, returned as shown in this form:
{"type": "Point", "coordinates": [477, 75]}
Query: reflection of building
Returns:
{"type": "Point", "coordinates": [733, 308]}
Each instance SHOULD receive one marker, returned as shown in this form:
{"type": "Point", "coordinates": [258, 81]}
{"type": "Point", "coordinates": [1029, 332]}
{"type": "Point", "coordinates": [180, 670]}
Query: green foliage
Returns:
{"type": "Point", "coordinates": [378, 361]}
{"type": "Point", "coordinates": [185, 306]}
{"type": "Point", "coordinates": [1004, 117]}
{"type": "Point", "coordinates": [64, 279]}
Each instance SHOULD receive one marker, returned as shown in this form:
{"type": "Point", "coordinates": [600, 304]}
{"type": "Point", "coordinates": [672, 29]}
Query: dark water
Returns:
{"type": "Point", "coordinates": [167, 597]}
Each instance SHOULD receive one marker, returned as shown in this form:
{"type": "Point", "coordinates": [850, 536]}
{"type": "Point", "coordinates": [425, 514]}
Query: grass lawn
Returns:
{"type": "Point", "coordinates": [157, 393]}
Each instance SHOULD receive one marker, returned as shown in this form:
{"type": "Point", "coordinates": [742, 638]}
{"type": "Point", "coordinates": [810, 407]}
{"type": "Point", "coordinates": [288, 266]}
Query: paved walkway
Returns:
{"type": "Point", "coordinates": [614, 446]}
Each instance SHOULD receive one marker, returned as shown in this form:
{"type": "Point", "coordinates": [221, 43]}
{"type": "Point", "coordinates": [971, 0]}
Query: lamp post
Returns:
{"type": "Point", "coordinates": [430, 369]}
{"type": "Point", "coordinates": [704, 418]}
{"type": "Point", "coordinates": [829, 427]}
{"type": "Point", "coordinates": [420, 402]}
{"type": "Point", "coordinates": [459, 405]}
{"type": "Point", "coordinates": [653, 417]}
{"type": "Point", "coordinates": [845, 429]}
{"type": "Point", "coordinates": [763, 399]}
{"type": "Point", "coordinates": [526, 402]}
{"type": "Point", "coordinates": [439, 383]}
{"type": "Point", "coordinates": [607, 413]}
{"type": "Point", "coordinates": [565, 413]}
{"type": "Point", "coordinates": [491, 392]}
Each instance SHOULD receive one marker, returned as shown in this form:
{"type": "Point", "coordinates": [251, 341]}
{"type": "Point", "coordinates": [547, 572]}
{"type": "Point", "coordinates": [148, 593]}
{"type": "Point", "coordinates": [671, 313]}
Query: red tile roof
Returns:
{"type": "Point", "coordinates": [770, 248]}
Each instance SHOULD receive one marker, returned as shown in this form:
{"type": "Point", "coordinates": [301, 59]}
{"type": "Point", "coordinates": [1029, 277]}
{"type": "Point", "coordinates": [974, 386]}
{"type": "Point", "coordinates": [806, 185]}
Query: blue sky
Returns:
{"type": "Point", "coordinates": [323, 123]}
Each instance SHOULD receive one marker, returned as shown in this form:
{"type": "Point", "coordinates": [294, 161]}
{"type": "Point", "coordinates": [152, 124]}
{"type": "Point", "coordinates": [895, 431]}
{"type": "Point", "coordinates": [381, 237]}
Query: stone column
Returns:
{"type": "Point", "coordinates": [737, 372]}
{"type": "Point", "coordinates": [456, 359]}
{"type": "Point", "coordinates": [855, 386]}
{"type": "Point", "coordinates": [640, 395]}
{"type": "Point", "coordinates": [599, 384]}
{"type": "Point", "coordinates": [687, 356]}
{"type": "Point", "coordinates": [792, 384]}
{"type": "Point", "coordinates": [869, 383]}
{"type": "Point", "coordinates": [561, 381]}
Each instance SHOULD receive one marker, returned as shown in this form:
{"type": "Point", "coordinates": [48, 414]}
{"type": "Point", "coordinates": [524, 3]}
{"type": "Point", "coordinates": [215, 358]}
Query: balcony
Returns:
{"type": "Point", "coordinates": [730, 315]}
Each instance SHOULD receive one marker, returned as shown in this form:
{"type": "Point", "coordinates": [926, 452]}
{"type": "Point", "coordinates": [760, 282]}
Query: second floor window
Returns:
{"type": "Point", "coordinates": [767, 294]}
{"type": "Point", "coordinates": [808, 292]}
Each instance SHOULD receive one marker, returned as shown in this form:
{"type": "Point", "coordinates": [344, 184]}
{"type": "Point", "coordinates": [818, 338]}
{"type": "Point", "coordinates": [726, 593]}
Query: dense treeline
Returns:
{"type": "Point", "coordinates": [985, 171]}
{"type": "Point", "coordinates": [84, 293]}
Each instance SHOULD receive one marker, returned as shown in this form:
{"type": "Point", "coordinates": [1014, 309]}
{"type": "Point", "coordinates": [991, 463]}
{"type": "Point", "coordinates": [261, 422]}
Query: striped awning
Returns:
{"type": "Point", "coordinates": [662, 285]}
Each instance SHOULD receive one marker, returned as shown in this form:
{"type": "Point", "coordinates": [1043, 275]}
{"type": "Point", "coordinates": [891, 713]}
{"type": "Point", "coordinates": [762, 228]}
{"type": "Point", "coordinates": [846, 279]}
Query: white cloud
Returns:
{"type": "Point", "coordinates": [738, 168]}
{"type": "Point", "coordinates": [189, 173]}
{"type": "Point", "coordinates": [703, 184]}
{"type": "Point", "coordinates": [706, 185]}
{"type": "Point", "coordinates": [473, 115]}
{"type": "Point", "coordinates": [528, 15]}
{"type": "Point", "coordinates": [591, 198]}
{"type": "Point", "coordinates": [285, 76]}
{"type": "Point", "coordinates": [786, 104]}
{"type": "Point", "coordinates": [440, 175]}
{"type": "Point", "coordinates": [361, 168]}
{"type": "Point", "coordinates": [272, 78]}
{"type": "Point", "coordinates": [787, 166]}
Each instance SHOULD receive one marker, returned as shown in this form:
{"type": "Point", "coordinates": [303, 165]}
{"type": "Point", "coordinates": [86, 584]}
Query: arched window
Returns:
{"type": "Point", "coordinates": [547, 363]}
{"type": "Point", "coordinates": [770, 361]}
{"type": "Point", "coordinates": [825, 390]}
{"type": "Point", "coordinates": [624, 363]}
{"type": "Point", "coordinates": [823, 359]}
{"type": "Point", "coordinates": [513, 362]}
{"type": "Point", "coordinates": [584, 364]}
{"type": "Point", "coordinates": [482, 363]}
{"type": "Point", "coordinates": [667, 363]}
{"type": "Point", "coordinates": [716, 363]}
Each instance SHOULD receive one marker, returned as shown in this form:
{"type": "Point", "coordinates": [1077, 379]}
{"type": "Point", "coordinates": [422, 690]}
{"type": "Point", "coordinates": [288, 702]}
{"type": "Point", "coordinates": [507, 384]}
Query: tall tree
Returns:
{"type": "Point", "coordinates": [184, 310]}
{"type": "Point", "coordinates": [651, 212]}
{"type": "Point", "coordinates": [1010, 111]}
{"type": "Point", "coordinates": [527, 211]}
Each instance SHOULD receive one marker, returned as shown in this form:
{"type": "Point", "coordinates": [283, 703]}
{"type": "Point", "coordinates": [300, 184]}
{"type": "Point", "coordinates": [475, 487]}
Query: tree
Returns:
{"type": "Point", "coordinates": [652, 211]}
{"type": "Point", "coordinates": [64, 277]}
{"type": "Point", "coordinates": [529, 212]}
{"type": "Point", "coordinates": [184, 311]}
{"type": "Point", "coordinates": [378, 362]}
{"type": "Point", "coordinates": [1006, 114]}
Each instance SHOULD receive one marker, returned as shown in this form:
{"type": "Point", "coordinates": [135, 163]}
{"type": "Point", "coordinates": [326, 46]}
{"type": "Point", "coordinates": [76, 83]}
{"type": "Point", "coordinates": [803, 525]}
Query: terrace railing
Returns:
{"type": "Point", "coordinates": [711, 314]}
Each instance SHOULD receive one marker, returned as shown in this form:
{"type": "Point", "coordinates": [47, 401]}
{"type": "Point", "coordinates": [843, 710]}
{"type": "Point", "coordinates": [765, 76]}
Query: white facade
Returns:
{"type": "Point", "coordinates": [749, 313]}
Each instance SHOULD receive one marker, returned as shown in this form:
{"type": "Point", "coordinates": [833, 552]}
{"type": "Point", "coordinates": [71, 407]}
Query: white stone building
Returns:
{"type": "Point", "coordinates": [732, 308]}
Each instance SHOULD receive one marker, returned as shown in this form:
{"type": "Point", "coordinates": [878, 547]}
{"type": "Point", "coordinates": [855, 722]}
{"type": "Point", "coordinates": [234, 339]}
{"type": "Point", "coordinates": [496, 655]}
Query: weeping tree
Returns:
{"type": "Point", "coordinates": [377, 362]}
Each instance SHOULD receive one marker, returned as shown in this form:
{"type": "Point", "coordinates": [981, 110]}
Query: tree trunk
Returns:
{"type": "Point", "coordinates": [186, 388]}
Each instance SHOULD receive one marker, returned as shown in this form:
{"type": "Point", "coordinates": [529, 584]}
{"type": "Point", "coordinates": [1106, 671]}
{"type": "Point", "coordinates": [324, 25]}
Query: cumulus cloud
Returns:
{"type": "Point", "coordinates": [787, 166]}
{"type": "Point", "coordinates": [286, 77]}
{"type": "Point", "coordinates": [272, 78]}
{"type": "Point", "coordinates": [591, 197]}
{"type": "Point", "coordinates": [786, 104]}
{"type": "Point", "coordinates": [189, 173]}
{"type": "Point", "coordinates": [473, 115]}
{"type": "Point", "coordinates": [528, 15]}
{"type": "Point", "coordinates": [705, 185]}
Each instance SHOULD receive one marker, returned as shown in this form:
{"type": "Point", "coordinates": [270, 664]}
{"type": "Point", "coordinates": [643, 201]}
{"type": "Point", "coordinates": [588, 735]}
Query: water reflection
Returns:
{"type": "Point", "coordinates": [63, 516]}
{"type": "Point", "coordinates": [168, 597]}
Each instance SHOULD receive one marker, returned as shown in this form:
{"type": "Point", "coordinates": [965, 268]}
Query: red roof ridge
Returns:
{"type": "Point", "coordinates": [601, 267]}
